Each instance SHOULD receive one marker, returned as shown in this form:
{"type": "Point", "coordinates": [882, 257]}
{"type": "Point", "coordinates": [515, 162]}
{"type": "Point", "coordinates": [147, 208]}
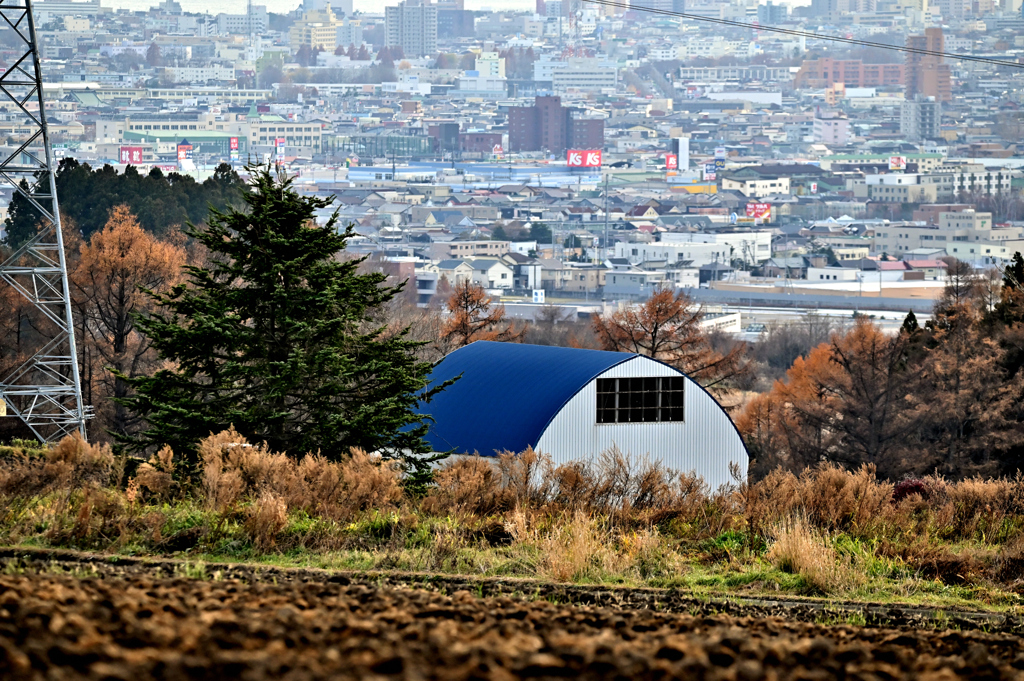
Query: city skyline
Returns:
{"type": "Point", "coordinates": [286, 6]}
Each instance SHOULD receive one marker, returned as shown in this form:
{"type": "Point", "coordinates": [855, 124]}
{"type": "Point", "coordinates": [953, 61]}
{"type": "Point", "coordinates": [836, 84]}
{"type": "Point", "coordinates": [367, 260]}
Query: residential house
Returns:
{"type": "Point", "coordinates": [492, 273]}
{"type": "Point", "coordinates": [633, 283]}
{"type": "Point", "coordinates": [455, 271]}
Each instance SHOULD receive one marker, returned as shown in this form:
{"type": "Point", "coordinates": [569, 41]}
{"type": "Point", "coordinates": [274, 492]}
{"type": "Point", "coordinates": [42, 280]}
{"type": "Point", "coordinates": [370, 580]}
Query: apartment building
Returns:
{"type": "Point", "coordinates": [741, 73]}
{"type": "Point", "coordinates": [199, 74]}
{"type": "Point", "coordinates": [691, 253]}
{"type": "Point", "coordinates": [969, 228]}
{"type": "Point", "coordinates": [412, 25]}
{"type": "Point", "coordinates": [255, 21]}
{"type": "Point", "coordinates": [824, 72]}
{"type": "Point", "coordinates": [454, 250]}
{"type": "Point", "coordinates": [756, 188]}
{"type": "Point", "coordinates": [547, 125]}
{"type": "Point", "coordinates": [211, 95]}
{"type": "Point", "coordinates": [926, 74]}
{"type": "Point", "coordinates": [300, 138]}
{"type": "Point", "coordinates": [587, 75]}
{"type": "Point", "coordinates": [316, 28]}
{"type": "Point", "coordinates": [750, 246]}
{"type": "Point", "coordinates": [920, 118]}
{"type": "Point", "coordinates": [112, 130]}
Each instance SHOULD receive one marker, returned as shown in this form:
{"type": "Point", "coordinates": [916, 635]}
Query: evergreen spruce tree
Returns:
{"type": "Point", "coordinates": [22, 220]}
{"type": "Point", "coordinates": [910, 325]}
{"type": "Point", "coordinates": [275, 337]}
{"type": "Point", "coordinates": [1010, 307]}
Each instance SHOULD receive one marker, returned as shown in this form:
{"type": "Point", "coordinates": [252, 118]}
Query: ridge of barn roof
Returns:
{"type": "Point", "coordinates": [508, 393]}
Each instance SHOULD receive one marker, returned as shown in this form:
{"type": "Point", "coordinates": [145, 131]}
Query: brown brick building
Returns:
{"type": "Point", "coordinates": [549, 126]}
{"type": "Point", "coordinates": [822, 73]}
{"type": "Point", "coordinates": [926, 74]}
{"type": "Point", "coordinates": [479, 142]}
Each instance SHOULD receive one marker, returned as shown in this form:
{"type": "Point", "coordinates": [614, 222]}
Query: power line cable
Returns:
{"type": "Point", "coordinates": [806, 34]}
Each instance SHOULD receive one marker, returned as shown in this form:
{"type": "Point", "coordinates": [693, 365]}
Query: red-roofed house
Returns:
{"type": "Point", "coordinates": [933, 269]}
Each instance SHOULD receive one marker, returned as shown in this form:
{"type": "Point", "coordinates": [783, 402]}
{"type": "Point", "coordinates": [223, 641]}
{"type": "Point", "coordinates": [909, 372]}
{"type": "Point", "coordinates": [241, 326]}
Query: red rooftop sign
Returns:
{"type": "Point", "coordinates": [588, 158]}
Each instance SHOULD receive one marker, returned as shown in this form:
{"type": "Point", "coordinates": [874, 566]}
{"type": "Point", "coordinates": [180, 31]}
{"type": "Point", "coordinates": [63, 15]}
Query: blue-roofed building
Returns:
{"type": "Point", "coordinates": [573, 404]}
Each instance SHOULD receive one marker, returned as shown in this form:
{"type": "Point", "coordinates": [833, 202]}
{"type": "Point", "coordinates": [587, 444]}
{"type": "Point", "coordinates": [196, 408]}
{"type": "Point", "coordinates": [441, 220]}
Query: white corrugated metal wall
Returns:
{"type": "Point", "coordinates": [706, 442]}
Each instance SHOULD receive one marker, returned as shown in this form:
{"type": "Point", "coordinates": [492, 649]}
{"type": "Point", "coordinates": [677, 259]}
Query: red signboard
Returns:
{"type": "Point", "coordinates": [234, 144]}
{"type": "Point", "coordinates": [671, 161]}
{"type": "Point", "coordinates": [584, 158]}
{"type": "Point", "coordinates": [184, 152]}
{"type": "Point", "coordinates": [131, 155]}
{"type": "Point", "coordinates": [760, 211]}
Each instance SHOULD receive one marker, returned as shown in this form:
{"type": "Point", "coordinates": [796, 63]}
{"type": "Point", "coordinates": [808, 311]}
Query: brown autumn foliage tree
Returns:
{"type": "Point", "coordinates": [108, 285]}
{"type": "Point", "coordinates": [12, 318]}
{"type": "Point", "coordinates": [846, 402]}
{"type": "Point", "coordinates": [943, 398]}
{"type": "Point", "coordinates": [667, 327]}
{"type": "Point", "coordinates": [968, 394]}
{"type": "Point", "coordinates": [472, 317]}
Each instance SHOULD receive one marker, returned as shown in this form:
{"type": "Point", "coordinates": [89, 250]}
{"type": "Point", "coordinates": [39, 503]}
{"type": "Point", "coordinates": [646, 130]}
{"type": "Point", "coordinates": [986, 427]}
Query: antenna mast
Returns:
{"type": "Point", "coordinates": [45, 391]}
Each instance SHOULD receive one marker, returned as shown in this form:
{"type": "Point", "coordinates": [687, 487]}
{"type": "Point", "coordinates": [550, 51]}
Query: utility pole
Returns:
{"type": "Point", "coordinates": [45, 391]}
{"type": "Point", "coordinates": [605, 214]}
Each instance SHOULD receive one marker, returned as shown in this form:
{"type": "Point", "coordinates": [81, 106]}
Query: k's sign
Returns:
{"type": "Point", "coordinates": [590, 158]}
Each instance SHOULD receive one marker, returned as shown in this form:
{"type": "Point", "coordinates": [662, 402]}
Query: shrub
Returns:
{"type": "Point", "coordinates": [157, 474]}
{"type": "Point", "coordinates": [73, 462]}
{"type": "Point", "coordinates": [267, 517]}
{"type": "Point", "coordinates": [467, 484]}
{"type": "Point", "coordinates": [369, 482]}
{"type": "Point", "coordinates": [910, 487]}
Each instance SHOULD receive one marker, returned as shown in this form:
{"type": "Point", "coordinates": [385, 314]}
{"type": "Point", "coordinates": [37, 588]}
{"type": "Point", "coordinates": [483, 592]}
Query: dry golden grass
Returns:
{"type": "Point", "coordinates": [576, 549]}
{"type": "Point", "coordinates": [800, 549]}
{"type": "Point", "coordinates": [267, 517]}
{"type": "Point", "coordinates": [612, 514]}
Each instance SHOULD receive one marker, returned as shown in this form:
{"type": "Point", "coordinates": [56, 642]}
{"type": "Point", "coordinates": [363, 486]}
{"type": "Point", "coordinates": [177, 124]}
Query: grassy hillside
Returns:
{"type": "Point", "coordinates": [615, 520]}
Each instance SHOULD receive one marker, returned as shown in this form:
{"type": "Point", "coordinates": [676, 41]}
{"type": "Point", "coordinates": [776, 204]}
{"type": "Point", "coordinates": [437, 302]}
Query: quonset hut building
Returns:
{"type": "Point", "coordinates": [574, 404]}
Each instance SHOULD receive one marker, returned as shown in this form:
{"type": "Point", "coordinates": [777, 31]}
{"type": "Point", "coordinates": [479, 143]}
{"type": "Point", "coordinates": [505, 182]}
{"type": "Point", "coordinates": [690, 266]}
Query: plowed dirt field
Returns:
{"type": "Point", "coordinates": [141, 627]}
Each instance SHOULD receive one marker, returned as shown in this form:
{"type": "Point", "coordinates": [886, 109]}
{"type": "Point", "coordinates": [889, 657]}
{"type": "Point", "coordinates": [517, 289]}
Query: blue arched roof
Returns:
{"type": "Point", "coordinates": [507, 394]}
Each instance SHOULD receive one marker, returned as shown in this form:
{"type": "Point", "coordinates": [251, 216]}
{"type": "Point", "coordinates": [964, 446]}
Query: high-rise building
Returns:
{"type": "Point", "coordinates": [412, 25]}
{"type": "Point", "coordinates": [549, 126]}
{"type": "Point", "coordinates": [825, 10]}
{"type": "Point", "coordinates": [926, 74]}
{"type": "Point", "coordinates": [953, 10]}
{"type": "Point", "coordinates": [771, 14]}
{"type": "Point", "coordinates": [455, 23]}
{"type": "Point", "coordinates": [920, 118]}
{"type": "Point", "coordinates": [316, 28]}
{"type": "Point", "coordinates": [337, 6]}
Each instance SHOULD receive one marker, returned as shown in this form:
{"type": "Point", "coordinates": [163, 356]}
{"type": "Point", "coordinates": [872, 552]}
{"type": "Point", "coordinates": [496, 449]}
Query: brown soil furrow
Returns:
{"type": "Point", "coordinates": [59, 626]}
{"type": "Point", "coordinates": [660, 600]}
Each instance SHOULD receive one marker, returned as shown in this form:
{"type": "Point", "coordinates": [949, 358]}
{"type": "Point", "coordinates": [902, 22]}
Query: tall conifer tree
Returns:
{"type": "Point", "coordinates": [274, 335]}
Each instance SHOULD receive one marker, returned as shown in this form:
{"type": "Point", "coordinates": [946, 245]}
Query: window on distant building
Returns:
{"type": "Point", "coordinates": [640, 400]}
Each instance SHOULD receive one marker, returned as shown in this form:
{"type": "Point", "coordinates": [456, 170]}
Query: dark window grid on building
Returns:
{"type": "Point", "coordinates": [641, 400]}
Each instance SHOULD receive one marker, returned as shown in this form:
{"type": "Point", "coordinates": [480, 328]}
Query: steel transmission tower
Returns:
{"type": "Point", "coordinates": [45, 391]}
